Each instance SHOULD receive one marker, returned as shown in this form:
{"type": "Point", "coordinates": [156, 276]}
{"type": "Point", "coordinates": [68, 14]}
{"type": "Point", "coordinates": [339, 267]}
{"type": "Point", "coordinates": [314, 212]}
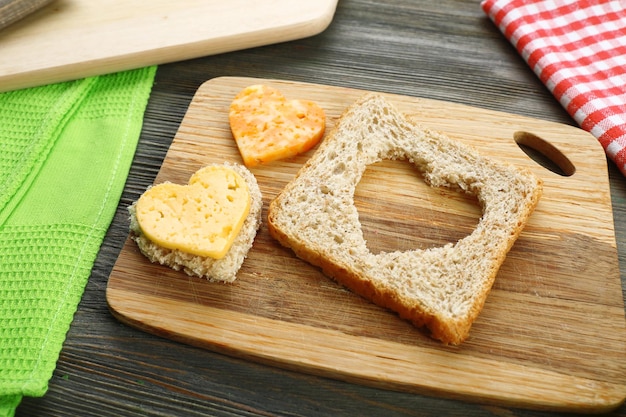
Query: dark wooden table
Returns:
{"type": "Point", "coordinates": [446, 50]}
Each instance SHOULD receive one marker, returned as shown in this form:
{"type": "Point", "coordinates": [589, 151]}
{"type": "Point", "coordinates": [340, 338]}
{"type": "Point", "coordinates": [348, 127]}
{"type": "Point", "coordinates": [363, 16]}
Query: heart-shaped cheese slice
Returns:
{"type": "Point", "coordinates": [266, 126]}
{"type": "Point", "coordinates": [202, 218]}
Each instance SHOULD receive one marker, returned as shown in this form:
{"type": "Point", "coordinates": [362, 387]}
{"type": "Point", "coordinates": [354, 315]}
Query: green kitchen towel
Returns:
{"type": "Point", "coordinates": [65, 153]}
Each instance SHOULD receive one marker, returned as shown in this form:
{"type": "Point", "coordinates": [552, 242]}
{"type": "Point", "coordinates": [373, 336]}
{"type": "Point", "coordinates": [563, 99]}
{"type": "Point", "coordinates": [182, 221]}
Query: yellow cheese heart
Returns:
{"type": "Point", "coordinates": [266, 126]}
{"type": "Point", "coordinates": [202, 218]}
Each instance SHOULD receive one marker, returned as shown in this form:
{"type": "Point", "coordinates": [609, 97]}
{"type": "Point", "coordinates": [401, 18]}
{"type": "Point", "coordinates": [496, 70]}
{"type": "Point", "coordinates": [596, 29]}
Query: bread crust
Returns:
{"type": "Point", "coordinates": [352, 265]}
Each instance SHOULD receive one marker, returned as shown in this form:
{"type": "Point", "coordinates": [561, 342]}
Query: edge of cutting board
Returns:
{"type": "Point", "coordinates": [562, 370]}
{"type": "Point", "coordinates": [72, 39]}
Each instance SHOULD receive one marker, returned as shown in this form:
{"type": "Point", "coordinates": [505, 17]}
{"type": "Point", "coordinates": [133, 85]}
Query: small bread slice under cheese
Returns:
{"type": "Point", "coordinates": [443, 288]}
{"type": "Point", "coordinates": [267, 127]}
{"type": "Point", "coordinates": [206, 227]}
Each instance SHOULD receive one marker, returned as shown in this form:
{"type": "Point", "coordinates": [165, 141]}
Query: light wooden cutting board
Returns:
{"type": "Point", "coordinates": [552, 333]}
{"type": "Point", "coordinates": [71, 39]}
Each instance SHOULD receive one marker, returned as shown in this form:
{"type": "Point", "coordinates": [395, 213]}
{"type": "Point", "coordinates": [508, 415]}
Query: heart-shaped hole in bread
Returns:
{"type": "Point", "coordinates": [201, 218]}
{"type": "Point", "coordinates": [267, 127]}
{"type": "Point", "coordinates": [399, 211]}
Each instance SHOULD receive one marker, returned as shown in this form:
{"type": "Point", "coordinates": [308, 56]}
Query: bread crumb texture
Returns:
{"type": "Point", "coordinates": [206, 227]}
{"type": "Point", "coordinates": [268, 127]}
{"type": "Point", "coordinates": [442, 288]}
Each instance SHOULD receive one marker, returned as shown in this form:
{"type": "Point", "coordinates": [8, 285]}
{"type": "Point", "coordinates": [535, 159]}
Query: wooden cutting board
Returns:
{"type": "Point", "coordinates": [71, 39]}
{"type": "Point", "coordinates": [552, 334]}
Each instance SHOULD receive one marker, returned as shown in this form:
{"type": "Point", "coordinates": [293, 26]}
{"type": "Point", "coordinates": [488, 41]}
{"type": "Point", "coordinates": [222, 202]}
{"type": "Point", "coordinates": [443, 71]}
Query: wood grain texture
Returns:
{"type": "Point", "coordinates": [446, 50]}
{"type": "Point", "coordinates": [282, 311]}
{"type": "Point", "coordinates": [80, 38]}
{"type": "Point", "coordinates": [13, 10]}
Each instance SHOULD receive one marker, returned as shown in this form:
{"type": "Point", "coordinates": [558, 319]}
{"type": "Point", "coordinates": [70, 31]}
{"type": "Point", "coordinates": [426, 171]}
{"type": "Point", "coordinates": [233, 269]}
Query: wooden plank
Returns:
{"type": "Point", "coordinates": [552, 334]}
{"type": "Point", "coordinates": [71, 39]}
{"type": "Point", "coordinates": [13, 10]}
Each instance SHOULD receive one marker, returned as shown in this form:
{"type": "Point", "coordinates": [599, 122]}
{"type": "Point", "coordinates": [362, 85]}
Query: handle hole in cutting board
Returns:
{"type": "Point", "coordinates": [398, 210]}
{"type": "Point", "coordinates": [544, 153]}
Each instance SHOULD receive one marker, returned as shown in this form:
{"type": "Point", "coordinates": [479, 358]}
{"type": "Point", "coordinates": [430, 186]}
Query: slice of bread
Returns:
{"type": "Point", "coordinates": [442, 288]}
{"type": "Point", "coordinates": [224, 269]}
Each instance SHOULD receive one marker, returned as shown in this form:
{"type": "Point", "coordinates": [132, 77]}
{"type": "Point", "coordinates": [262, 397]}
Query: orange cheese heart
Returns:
{"type": "Point", "coordinates": [267, 127]}
{"type": "Point", "coordinates": [202, 218]}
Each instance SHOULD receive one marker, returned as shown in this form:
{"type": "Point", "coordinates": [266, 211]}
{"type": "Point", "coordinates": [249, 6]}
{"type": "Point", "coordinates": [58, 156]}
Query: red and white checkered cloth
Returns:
{"type": "Point", "coordinates": [578, 50]}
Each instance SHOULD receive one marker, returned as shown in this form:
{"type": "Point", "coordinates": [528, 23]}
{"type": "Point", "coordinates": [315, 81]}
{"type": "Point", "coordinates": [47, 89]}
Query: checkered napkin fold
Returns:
{"type": "Point", "coordinates": [578, 50]}
{"type": "Point", "coordinates": [65, 153]}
